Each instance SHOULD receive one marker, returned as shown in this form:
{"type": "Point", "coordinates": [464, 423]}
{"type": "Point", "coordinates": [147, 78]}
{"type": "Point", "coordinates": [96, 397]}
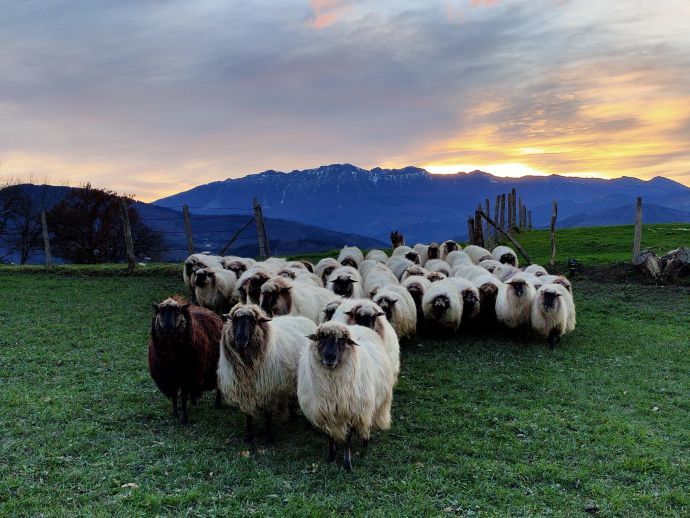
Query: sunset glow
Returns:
{"type": "Point", "coordinates": [512, 88]}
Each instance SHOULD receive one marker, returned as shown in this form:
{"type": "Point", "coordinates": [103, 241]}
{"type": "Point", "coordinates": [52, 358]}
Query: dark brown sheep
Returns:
{"type": "Point", "coordinates": [183, 352]}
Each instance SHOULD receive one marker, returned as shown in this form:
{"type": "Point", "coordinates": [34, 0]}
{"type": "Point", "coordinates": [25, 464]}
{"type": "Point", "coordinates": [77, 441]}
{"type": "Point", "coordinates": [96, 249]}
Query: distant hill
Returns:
{"type": "Point", "coordinates": [625, 215]}
{"type": "Point", "coordinates": [423, 206]}
{"type": "Point", "coordinates": [212, 232]}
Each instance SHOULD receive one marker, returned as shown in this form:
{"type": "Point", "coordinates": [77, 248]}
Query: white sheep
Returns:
{"type": "Point", "coordinates": [435, 276]}
{"type": "Point", "coordinates": [195, 262]}
{"type": "Point", "coordinates": [325, 267]}
{"type": "Point", "coordinates": [470, 297]}
{"type": "Point", "coordinates": [447, 247]}
{"type": "Point", "coordinates": [438, 265]}
{"type": "Point", "coordinates": [505, 255]}
{"type": "Point", "coordinates": [488, 286]}
{"type": "Point", "coordinates": [365, 312]}
{"type": "Point", "coordinates": [426, 252]}
{"type": "Point", "coordinates": [350, 256]}
{"type": "Point", "coordinates": [407, 253]}
{"type": "Point", "coordinates": [457, 258]}
{"type": "Point", "coordinates": [553, 313]}
{"type": "Point", "coordinates": [442, 306]}
{"type": "Point", "coordinates": [557, 279]}
{"type": "Point", "coordinates": [414, 270]}
{"type": "Point", "coordinates": [345, 385]}
{"type": "Point", "coordinates": [417, 287]}
{"type": "Point", "coordinates": [398, 264]}
{"type": "Point", "coordinates": [236, 264]}
{"type": "Point", "coordinates": [469, 271]}
{"type": "Point", "coordinates": [214, 288]}
{"type": "Point", "coordinates": [378, 278]}
{"type": "Point", "coordinates": [477, 253]}
{"type": "Point", "coordinates": [377, 255]}
{"type": "Point", "coordinates": [399, 307]}
{"type": "Point", "coordinates": [259, 360]}
{"type": "Point", "coordinates": [535, 270]}
{"type": "Point", "coordinates": [249, 284]}
{"type": "Point", "coordinates": [346, 282]}
{"type": "Point", "coordinates": [501, 270]}
{"type": "Point", "coordinates": [329, 310]}
{"type": "Point", "coordinates": [281, 296]}
{"type": "Point", "coordinates": [514, 302]}
{"type": "Point", "coordinates": [301, 275]}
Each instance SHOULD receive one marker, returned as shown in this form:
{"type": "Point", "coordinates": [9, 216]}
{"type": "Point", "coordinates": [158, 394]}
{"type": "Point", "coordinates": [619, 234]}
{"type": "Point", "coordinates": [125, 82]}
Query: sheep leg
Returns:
{"type": "Point", "coordinates": [218, 398]}
{"type": "Point", "coordinates": [268, 418]}
{"type": "Point", "coordinates": [184, 420]}
{"type": "Point", "coordinates": [249, 430]}
{"type": "Point", "coordinates": [332, 450]}
{"type": "Point", "coordinates": [347, 455]}
{"type": "Point", "coordinates": [292, 408]}
{"type": "Point", "coordinates": [175, 412]}
{"type": "Point", "coordinates": [553, 338]}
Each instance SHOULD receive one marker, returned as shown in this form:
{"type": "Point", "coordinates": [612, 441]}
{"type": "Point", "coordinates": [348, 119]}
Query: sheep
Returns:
{"type": "Point", "coordinates": [281, 296]}
{"type": "Point", "coordinates": [448, 247]}
{"type": "Point", "coordinates": [514, 302]}
{"type": "Point", "coordinates": [368, 265]}
{"type": "Point", "coordinates": [442, 306]}
{"type": "Point", "coordinates": [414, 270]}
{"type": "Point", "coordinates": [325, 267]}
{"type": "Point", "coordinates": [477, 253]}
{"type": "Point", "coordinates": [249, 284]}
{"type": "Point", "coordinates": [435, 276]}
{"type": "Point", "coordinates": [470, 272]}
{"type": "Point", "coordinates": [470, 298]}
{"type": "Point", "coordinates": [238, 265]}
{"type": "Point", "coordinates": [397, 239]}
{"type": "Point", "coordinates": [417, 287]}
{"type": "Point", "coordinates": [193, 263]}
{"type": "Point", "coordinates": [183, 352]}
{"type": "Point", "coordinates": [259, 358]}
{"type": "Point", "coordinates": [345, 385]}
{"type": "Point", "coordinates": [438, 265]}
{"type": "Point", "coordinates": [346, 282]}
{"type": "Point", "coordinates": [550, 313]}
{"type": "Point", "coordinates": [214, 289]}
{"type": "Point", "coordinates": [505, 255]}
{"type": "Point", "coordinates": [535, 270]}
{"type": "Point", "coordinates": [399, 307]}
{"type": "Point", "coordinates": [557, 279]}
{"type": "Point", "coordinates": [457, 258]}
{"type": "Point", "coordinates": [329, 310]}
{"type": "Point", "coordinates": [301, 275]}
{"type": "Point", "coordinates": [378, 278]}
{"type": "Point", "coordinates": [427, 252]}
{"type": "Point", "coordinates": [365, 312]}
{"type": "Point", "coordinates": [274, 264]}
{"type": "Point", "coordinates": [350, 256]}
{"type": "Point", "coordinates": [500, 270]}
{"type": "Point", "coordinates": [398, 265]}
{"type": "Point", "coordinates": [488, 287]}
{"type": "Point", "coordinates": [407, 253]}
{"type": "Point", "coordinates": [377, 255]}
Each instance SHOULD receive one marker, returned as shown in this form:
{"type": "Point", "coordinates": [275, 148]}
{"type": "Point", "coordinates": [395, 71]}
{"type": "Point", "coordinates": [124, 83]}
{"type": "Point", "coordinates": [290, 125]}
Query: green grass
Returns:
{"type": "Point", "coordinates": [483, 424]}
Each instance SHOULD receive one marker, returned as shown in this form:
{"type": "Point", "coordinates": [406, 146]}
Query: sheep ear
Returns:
{"type": "Point", "coordinates": [185, 307]}
{"type": "Point", "coordinates": [380, 314]}
{"type": "Point", "coordinates": [263, 320]}
{"type": "Point", "coordinates": [354, 280]}
{"type": "Point", "coordinates": [156, 307]}
{"type": "Point", "coordinates": [225, 317]}
{"type": "Point", "coordinates": [352, 342]}
{"type": "Point", "coordinates": [393, 302]}
{"type": "Point", "coordinates": [285, 290]}
{"type": "Point", "coordinates": [350, 313]}
{"type": "Point", "coordinates": [313, 337]}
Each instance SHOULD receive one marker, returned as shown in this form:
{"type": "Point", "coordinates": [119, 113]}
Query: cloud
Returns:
{"type": "Point", "coordinates": [326, 12]}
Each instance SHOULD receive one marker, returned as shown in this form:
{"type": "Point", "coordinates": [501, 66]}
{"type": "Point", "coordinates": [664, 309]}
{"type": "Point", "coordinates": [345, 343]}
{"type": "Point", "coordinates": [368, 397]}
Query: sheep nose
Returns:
{"type": "Point", "coordinates": [330, 357]}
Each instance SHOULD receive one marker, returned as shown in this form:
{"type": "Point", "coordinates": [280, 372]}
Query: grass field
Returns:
{"type": "Point", "coordinates": [483, 424]}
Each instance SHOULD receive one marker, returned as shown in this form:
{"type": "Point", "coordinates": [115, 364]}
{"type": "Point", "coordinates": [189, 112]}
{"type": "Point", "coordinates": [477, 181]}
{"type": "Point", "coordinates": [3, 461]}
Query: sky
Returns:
{"type": "Point", "coordinates": [151, 97]}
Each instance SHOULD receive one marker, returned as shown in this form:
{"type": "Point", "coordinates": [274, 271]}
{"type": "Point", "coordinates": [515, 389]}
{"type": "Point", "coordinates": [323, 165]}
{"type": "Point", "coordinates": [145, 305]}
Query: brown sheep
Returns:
{"type": "Point", "coordinates": [183, 352]}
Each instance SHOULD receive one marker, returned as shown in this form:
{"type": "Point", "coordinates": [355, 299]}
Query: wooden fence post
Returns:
{"type": "Point", "coordinates": [496, 211]}
{"type": "Point", "coordinates": [470, 230]}
{"type": "Point", "coordinates": [520, 224]}
{"type": "Point", "coordinates": [131, 262]}
{"type": "Point", "coordinates": [264, 249]}
{"type": "Point", "coordinates": [554, 214]}
{"type": "Point", "coordinates": [487, 230]}
{"type": "Point", "coordinates": [513, 206]}
{"type": "Point", "coordinates": [188, 229]}
{"type": "Point", "coordinates": [637, 240]}
{"type": "Point", "coordinates": [478, 231]}
{"type": "Point", "coordinates": [529, 220]}
{"type": "Point", "coordinates": [46, 241]}
{"type": "Point", "coordinates": [508, 237]}
{"type": "Point", "coordinates": [502, 222]}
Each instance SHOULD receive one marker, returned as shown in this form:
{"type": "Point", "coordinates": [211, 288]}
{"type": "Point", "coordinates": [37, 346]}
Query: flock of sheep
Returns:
{"type": "Point", "coordinates": [275, 334]}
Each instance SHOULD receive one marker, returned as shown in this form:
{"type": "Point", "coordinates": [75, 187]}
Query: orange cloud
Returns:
{"type": "Point", "coordinates": [326, 12]}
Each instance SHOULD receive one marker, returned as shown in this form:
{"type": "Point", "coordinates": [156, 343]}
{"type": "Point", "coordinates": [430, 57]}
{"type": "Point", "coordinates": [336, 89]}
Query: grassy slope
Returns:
{"type": "Point", "coordinates": [481, 423]}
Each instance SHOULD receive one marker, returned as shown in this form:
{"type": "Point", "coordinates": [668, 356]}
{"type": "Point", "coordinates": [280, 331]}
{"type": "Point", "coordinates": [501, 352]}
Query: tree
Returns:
{"type": "Point", "coordinates": [20, 221]}
{"type": "Point", "coordinates": [86, 227]}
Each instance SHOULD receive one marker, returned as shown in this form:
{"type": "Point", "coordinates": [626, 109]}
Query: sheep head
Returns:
{"type": "Point", "coordinates": [348, 261]}
{"type": "Point", "coordinates": [451, 246]}
{"type": "Point", "coordinates": [332, 344]}
{"type": "Point", "coordinates": [508, 259]}
{"type": "Point", "coordinates": [549, 300]}
{"type": "Point", "coordinates": [387, 304]}
{"type": "Point", "coordinates": [342, 285]}
{"type": "Point", "coordinates": [330, 308]}
{"type": "Point", "coordinates": [433, 251]}
{"type": "Point", "coordinates": [275, 297]}
{"type": "Point", "coordinates": [245, 329]}
{"type": "Point", "coordinates": [171, 315]}
{"type": "Point", "coordinates": [365, 315]}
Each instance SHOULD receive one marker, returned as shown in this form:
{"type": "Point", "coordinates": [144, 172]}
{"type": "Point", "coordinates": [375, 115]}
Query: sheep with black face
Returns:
{"type": "Point", "coordinates": [505, 255]}
{"type": "Point", "coordinates": [281, 296]}
{"type": "Point", "coordinates": [214, 289]}
{"type": "Point", "coordinates": [345, 385]}
{"type": "Point", "coordinates": [257, 369]}
{"type": "Point", "coordinates": [399, 307]}
{"type": "Point", "coordinates": [514, 302]}
{"type": "Point", "coordinates": [345, 282]}
{"type": "Point", "coordinates": [553, 313]}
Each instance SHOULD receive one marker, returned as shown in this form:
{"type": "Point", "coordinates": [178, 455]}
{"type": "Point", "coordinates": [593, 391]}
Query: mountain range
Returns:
{"type": "Point", "coordinates": [427, 207]}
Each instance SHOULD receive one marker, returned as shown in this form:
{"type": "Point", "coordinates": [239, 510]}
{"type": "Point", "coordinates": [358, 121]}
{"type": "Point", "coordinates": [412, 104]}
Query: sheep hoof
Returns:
{"type": "Point", "coordinates": [184, 421]}
{"type": "Point", "coordinates": [347, 464]}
